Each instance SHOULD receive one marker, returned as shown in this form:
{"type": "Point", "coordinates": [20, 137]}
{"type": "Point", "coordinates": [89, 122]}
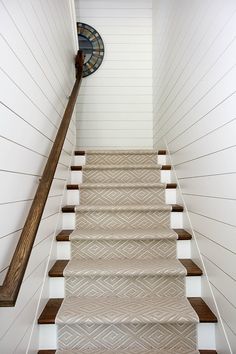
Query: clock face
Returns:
{"type": "Point", "coordinates": [91, 43]}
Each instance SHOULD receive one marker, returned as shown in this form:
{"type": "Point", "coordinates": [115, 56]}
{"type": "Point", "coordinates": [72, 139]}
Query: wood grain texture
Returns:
{"type": "Point", "coordinates": [12, 282]}
{"type": "Point", "coordinates": [166, 167]}
{"type": "Point", "coordinates": [50, 311]}
{"type": "Point", "coordinates": [79, 153]}
{"type": "Point", "coordinates": [72, 187]}
{"type": "Point", "coordinates": [64, 235]}
{"type": "Point", "coordinates": [183, 234]}
{"type": "Point", "coordinates": [58, 268]}
{"type": "Point", "coordinates": [76, 168]}
{"type": "Point", "coordinates": [171, 185]}
{"type": "Point", "coordinates": [204, 312]}
{"type": "Point", "coordinates": [191, 267]}
{"type": "Point", "coordinates": [76, 186]}
{"type": "Point", "coordinates": [50, 351]}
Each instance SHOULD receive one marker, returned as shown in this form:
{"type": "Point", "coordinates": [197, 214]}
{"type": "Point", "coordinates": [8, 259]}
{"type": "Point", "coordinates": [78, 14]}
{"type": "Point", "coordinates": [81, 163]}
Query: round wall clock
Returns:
{"type": "Point", "coordinates": [91, 43]}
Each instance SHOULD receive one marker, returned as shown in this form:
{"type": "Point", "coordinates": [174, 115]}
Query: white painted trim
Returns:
{"type": "Point", "coordinates": [211, 302]}
{"type": "Point", "coordinates": [73, 24]}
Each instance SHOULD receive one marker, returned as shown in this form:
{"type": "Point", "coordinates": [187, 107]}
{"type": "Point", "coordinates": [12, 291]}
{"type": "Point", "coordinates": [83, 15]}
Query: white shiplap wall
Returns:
{"type": "Point", "coordinates": [36, 75]}
{"type": "Point", "coordinates": [194, 86]}
{"type": "Point", "coordinates": [115, 105]}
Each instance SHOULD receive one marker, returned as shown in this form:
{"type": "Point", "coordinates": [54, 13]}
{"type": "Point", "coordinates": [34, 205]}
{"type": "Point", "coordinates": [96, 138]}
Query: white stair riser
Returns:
{"type": "Point", "coordinates": [206, 336]}
{"type": "Point", "coordinates": [162, 159]}
{"type": "Point", "coordinates": [57, 287]}
{"type": "Point", "coordinates": [79, 160]}
{"type": "Point", "coordinates": [176, 220]}
{"type": "Point", "coordinates": [77, 178]}
{"type": "Point", "coordinates": [183, 249]}
{"type": "Point", "coordinates": [73, 196]}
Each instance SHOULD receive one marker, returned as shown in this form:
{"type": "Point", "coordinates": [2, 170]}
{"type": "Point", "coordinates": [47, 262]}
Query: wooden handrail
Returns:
{"type": "Point", "coordinates": [14, 277]}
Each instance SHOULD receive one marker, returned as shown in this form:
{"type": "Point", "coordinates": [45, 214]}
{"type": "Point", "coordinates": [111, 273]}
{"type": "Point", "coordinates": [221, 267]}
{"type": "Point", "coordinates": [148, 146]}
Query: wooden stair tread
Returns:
{"type": "Point", "coordinates": [79, 153]}
{"type": "Point", "coordinates": [183, 234]}
{"type": "Point", "coordinates": [191, 267]}
{"type": "Point", "coordinates": [59, 266]}
{"type": "Point", "coordinates": [204, 312]}
{"type": "Point", "coordinates": [50, 311]}
{"type": "Point", "coordinates": [71, 208]}
{"type": "Point", "coordinates": [50, 351]}
{"type": "Point", "coordinates": [52, 307]}
{"type": "Point", "coordinates": [72, 187]}
{"type": "Point", "coordinates": [76, 186]}
{"type": "Point", "coordinates": [161, 152]}
{"type": "Point", "coordinates": [65, 234]}
{"type": "Point", "coordinates": [79, 168]}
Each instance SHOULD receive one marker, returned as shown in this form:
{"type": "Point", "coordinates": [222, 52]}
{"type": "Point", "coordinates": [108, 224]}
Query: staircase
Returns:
{"type": "Point", "coordinates": [130, 285]}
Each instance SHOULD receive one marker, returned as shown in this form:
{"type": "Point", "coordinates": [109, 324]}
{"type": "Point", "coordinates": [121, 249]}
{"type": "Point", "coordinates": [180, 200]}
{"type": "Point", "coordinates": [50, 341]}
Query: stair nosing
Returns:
{"type": "Point", "coordinates": [110, 167]}
{"type": "Point", "coordinates": [144, 208]}
{"type": "Point", "coordinates": [121, 185]}
{"type": "Point", "coordinates": [57, 270]}
{"type": "Point", "coordinates": [53, 351]}
{"type": "Point", "coordinates": [204, 313]}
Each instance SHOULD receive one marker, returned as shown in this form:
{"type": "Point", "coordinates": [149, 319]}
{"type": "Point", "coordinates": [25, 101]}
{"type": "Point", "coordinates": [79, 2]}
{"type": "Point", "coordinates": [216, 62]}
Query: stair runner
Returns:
{"type": "Point", "coordinates": [125, 288]}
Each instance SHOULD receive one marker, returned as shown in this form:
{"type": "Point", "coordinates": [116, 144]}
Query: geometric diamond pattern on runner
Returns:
{"type": "Point", "coordinates": [180, 337]}
{"type": "Point", "coordinates": [123, 249]}
{"type": "Point", "coordinates": [120, 286]}
{"type": "Point", "coordinates": [118, 175]}
{"type": "Point", "coordinates": [121, 195]}
{"type": "Point", "coordinates": [159, 232]}
{"type": "Point", "coordinates": [125, 289]}
{"type": "Point", "coordinates": [98, 351]}
{"type": "Point", "coordinates": [120, 219]}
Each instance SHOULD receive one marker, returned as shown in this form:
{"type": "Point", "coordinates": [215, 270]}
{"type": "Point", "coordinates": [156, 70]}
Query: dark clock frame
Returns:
{"type": "Point", "coordinates": [97, 44]}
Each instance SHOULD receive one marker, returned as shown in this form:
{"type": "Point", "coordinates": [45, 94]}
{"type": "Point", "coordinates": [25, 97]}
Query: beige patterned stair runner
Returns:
{"type": "Point", "coordinates": [125, 288]}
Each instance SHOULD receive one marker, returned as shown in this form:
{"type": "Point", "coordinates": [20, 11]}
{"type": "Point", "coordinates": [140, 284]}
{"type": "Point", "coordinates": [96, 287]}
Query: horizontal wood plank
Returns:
{"type": "Point", "coordinates": [50, 311]}
{"type": "Point", "coordinates": [191, 267]}
{"type": "Point", "coordinates": [76, 186]}
{"type": "Point", "coordinates": [204, 312]}
{"type": "Point", "coordinates": [72, 187]}
{"type": "Point", "coordinates": [79, 168]}
{"type": "Point", "coordinates": [79, 153]}
{"type": "Point", "coordinates": [183, 234]}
